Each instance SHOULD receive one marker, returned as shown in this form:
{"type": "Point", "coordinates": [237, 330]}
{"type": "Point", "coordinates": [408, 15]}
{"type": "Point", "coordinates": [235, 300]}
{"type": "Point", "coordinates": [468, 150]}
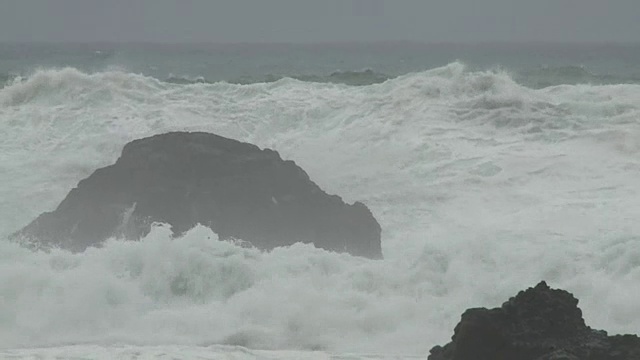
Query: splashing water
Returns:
{"type": "Point", "coordinates": [482, 187]}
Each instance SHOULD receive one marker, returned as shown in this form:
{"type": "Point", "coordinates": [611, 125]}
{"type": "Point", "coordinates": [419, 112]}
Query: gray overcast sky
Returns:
{"type": "Point", "coordinates": [319, 20]}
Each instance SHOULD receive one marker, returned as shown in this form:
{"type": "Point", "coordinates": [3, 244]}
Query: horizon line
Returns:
{"type": "Point", "coordinates": [348, 42]}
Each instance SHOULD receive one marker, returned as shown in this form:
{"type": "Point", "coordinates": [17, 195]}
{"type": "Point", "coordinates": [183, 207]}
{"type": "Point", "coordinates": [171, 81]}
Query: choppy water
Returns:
{"type": "Point", "coordinates": [485, 180]}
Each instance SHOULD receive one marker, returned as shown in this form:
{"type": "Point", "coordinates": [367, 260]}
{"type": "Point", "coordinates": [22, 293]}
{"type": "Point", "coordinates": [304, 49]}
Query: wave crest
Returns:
{"type": "Point", "coordinates": [466, 170]}
{"type": "Point", "coordinates": [452, 91]}
{"type": "Point", "coordinates": [65, 83]}
{"type": "Point", "coordinates": [547, 76]}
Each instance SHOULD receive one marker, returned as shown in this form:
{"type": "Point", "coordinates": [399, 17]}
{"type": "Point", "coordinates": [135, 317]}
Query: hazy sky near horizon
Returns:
{"type": "Point", "coordinates": [319, 20]}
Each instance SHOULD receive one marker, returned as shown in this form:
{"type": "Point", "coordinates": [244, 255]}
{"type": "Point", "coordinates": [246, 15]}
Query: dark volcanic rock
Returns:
{"type": "Point", "coordinates": [184, 179]}
{"type": "Point", "coordinates": [538, 324]}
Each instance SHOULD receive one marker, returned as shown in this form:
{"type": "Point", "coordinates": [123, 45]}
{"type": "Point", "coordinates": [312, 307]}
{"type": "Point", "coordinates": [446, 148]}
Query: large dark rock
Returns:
{"type": "Point", "coordinates": [538, 324]}
{"type": "Point", "coordinates": [184, 179]}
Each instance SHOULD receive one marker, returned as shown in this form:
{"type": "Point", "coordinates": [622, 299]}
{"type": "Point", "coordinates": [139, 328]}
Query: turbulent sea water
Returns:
{"type": "Point", "coordinates": [489, 168]}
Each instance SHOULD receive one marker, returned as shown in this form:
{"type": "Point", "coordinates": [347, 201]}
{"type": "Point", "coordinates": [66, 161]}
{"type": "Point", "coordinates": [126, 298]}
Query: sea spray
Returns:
{"type": "Point", "coordinates": [480, 184]}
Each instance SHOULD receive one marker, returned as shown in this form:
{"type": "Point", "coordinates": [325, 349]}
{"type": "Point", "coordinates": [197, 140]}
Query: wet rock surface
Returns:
{"type": "Point", "coordinates": [539, 323]}
{"type": "Point", "coordinates": [184, 179]}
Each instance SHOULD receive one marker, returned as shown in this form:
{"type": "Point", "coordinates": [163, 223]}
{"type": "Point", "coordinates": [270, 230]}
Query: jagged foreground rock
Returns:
{"type": "Point", "coordinates": [538, 324]}
{"type": "Point", "coordinates": [183, 179]}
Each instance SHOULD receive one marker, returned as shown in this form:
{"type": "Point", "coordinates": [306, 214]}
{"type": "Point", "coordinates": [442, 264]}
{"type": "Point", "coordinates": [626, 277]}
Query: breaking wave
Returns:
{"type": "Point", "coordinates": [354, 78]}
{"type": "Point", "coordinates": [536, 78]}
{"type": "Point", "coordinates": [570, 75]}
{"type": "Point", "coordinates": [482, 186]}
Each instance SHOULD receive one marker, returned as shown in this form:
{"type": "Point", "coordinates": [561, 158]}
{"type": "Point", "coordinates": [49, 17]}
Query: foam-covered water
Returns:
{"type": "Point", "coordinates": [482, 187]}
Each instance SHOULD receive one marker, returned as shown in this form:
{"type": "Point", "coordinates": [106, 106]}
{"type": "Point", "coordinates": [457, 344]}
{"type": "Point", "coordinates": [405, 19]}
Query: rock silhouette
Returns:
{"type": "Point", "coordinates": [184, 179]}
{"type": "Point", "coordinates": [538, 324]}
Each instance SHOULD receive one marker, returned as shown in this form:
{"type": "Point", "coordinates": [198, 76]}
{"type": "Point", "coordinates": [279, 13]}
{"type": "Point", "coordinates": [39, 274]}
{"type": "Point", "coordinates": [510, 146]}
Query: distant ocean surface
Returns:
{"type": "Point", "coordinates": [490, 167]}
{"type": "Point", "coordinates": [532, 65]}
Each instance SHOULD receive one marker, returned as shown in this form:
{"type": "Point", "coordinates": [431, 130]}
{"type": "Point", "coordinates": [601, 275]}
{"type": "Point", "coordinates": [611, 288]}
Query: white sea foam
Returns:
{"type": "Point", "coordinates": [482, 187]}
{"type": "Point", "coordinates": [173, 352]}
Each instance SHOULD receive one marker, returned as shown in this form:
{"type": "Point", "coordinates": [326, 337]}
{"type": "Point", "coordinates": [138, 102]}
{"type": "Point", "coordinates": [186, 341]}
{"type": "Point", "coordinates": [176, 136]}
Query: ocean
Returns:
{"type": "Point", "coordinates": [490, 167]}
